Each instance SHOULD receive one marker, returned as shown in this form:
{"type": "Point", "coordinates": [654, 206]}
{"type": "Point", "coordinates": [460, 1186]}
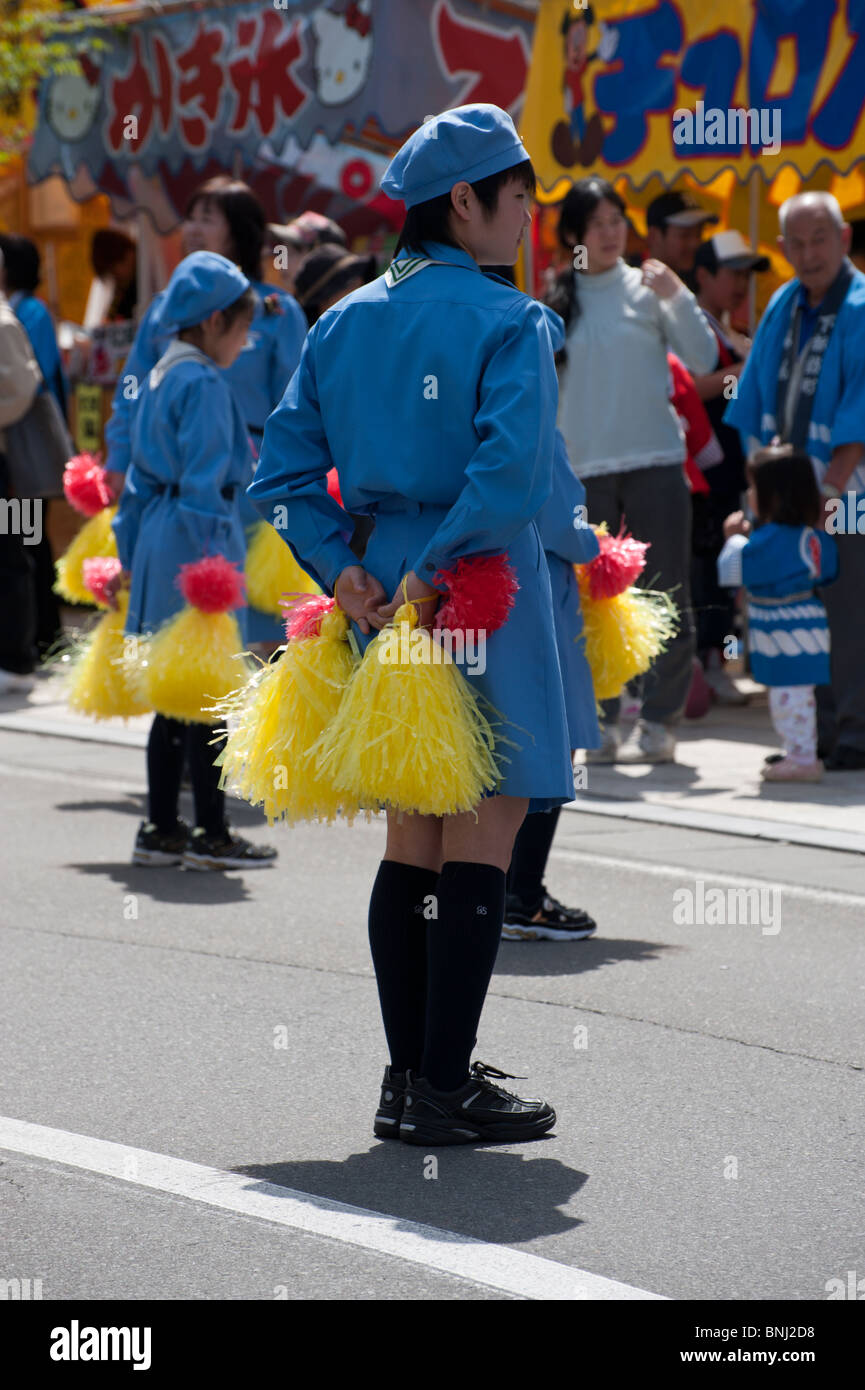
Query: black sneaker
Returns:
{"type": "Point", "coordinates": [549, 921]}
{"type": "Point", "coordinates": [478, 1112]}
{"type": "Point", "coordinates": [389, 1113]}
{"type": "Point", "coordinates": [225, 851]}
{"type": "Point", "coordinates": [155, 846]}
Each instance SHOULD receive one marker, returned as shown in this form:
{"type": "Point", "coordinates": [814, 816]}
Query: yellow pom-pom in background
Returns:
{"type": "Point", "coordinates": [278, 718]}
{"type": "Point", "coordinates": [100, 683]}
{"type": "Point", "coordinates": [410, 733]}
{"type": "Point", "coordinates": [95, 538]}
{"type": "Point", "coordinates": [271, 571]}
{"type": "Point", "coordinates": [192, 661]}
{"type": "Point", "coordinates": [624, 635]}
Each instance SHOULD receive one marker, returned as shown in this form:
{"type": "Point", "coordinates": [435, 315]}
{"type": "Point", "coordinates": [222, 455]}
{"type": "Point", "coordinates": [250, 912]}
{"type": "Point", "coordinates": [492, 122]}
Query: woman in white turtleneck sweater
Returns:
{"type": "Point", "coordinates": [624, 438]}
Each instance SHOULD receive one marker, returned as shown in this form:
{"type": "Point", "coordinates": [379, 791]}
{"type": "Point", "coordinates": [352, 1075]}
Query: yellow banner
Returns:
{"type": "Point", "coordinates": [637, 88]}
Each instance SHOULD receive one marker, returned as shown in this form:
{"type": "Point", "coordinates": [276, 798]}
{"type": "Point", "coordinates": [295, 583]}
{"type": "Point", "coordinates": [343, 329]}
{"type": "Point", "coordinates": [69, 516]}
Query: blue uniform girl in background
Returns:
{"type": "Point", "coordinates": [433, 393]}
{"type": "Point", "coordinates": [191, 462]}
{"type": "Point", "coordinates": [19, 258]}
{"type": "Point", "coordinates": [223, 216]}
{"type": "Point", "coordinates": [780, 564]}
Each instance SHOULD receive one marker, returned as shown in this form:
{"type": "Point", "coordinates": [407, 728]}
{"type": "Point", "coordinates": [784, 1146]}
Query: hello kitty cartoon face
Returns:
{"type": "Point", "coordinates": [72, 105]}
{"type": "Point", "coordinates": [343, 52]}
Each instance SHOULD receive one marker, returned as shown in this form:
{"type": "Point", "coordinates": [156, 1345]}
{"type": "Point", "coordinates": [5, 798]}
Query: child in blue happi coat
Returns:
{"type": "Point", "coordinates": [780, 565]}
{"type": "Point", "coordinates": [191, 461]}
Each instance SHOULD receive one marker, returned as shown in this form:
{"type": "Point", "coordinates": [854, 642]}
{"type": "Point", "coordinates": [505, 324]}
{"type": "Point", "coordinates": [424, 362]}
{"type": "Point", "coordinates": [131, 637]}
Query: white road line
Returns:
{"type": "Point", "coordinates": [495, 1266]}
{"type": "Point", "coordinates": [690, 872]}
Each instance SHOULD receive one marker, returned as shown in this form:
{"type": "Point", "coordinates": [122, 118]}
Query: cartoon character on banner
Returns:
{"type": "Point", "coordinates": [343, 53]}
{"type": "Point", "coordinates": [73, 100]}
{"type": "Point", "coordinates": [576, 138]}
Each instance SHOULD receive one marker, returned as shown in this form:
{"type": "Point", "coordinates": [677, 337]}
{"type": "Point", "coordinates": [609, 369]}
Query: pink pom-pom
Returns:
{"type": "Point", "coordinates": [97, 572]}
{"type": "Point", "coordinates": [480, 594]}
{"type": "Point", "coordinates": [84, 484]}
{"type": "Point", "coordinates": [620, 562]}
{"type": "Point", "coordinates": [305, 615]}
{"type": "Point", "coordinates": [214, 584]}
{"type": "Point", "coordinates": [333, 486]}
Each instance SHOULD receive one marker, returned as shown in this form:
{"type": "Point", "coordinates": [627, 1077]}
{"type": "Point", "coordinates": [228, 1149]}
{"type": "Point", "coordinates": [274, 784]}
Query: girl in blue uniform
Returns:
{"type": "Point", "coordinates": [433, 393]}
{"type": "Point", "coordinates": [223, 216]}
{"type": "Point", "coordinates": [191, 463]}
{"type": "Point", "coordinates": [780, 565]}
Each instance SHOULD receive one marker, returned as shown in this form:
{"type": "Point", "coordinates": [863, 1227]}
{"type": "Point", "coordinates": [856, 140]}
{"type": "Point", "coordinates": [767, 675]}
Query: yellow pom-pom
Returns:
{"type": "Point", "coordinates": [277, 719]}
{"type": "Point", "coordinates": [100, 683]}
{"type": "Point", "coordinates": [624, 635]}
{"type": "Point", "coordinates": [410, 733]}
{"type": "Point", "coordinates": [95, 538]}
{"type": "Point", "coordinates": [271, 571]}
{"type": "Point", "coordinates": [191, 662]}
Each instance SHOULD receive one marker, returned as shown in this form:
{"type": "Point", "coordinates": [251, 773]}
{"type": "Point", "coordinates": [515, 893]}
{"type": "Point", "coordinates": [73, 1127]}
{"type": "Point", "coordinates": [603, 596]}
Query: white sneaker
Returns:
{"type": "Point", "coordinates": [608, 752]}
{"type": "Point", "coordinates": [648, 742]}
{"type": "Point", "coordinates": [10, 681]}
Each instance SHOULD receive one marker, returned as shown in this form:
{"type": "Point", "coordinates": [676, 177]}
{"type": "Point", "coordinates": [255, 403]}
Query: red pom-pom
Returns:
{"type": "Point", "coordinates": [84, 484]}
{"type": "Point", "coordinates": [333, 486]}
{"type": "Point", "coordinates": [213, 584]}
{"type": "Point", "coordinates": [480, 594]}
{"type": "Point", "coordinates": [97, 572]}
{"type": "Point", "coordinates": [304, 619]}
{"type": "Point", "coordinates": [620, 562]}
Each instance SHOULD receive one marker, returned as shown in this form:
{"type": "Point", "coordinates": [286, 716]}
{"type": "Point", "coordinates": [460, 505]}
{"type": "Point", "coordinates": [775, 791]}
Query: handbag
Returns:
{"type": "Point", "coordinates": [38, 447]}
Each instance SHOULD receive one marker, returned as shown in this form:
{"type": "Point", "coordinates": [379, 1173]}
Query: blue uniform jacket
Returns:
{"type": "Point", "coordinates": [838, 415]}
{"type": "Point", "coordinates": [258, 378]}
{"type": "Point", "coordinates": [435, 399]}
{"type": "Point", "coordinates": [191, 462]}
{"type": "Point", "coordinates": [788, 631]}
{"type": "Point", "coordinates": [39, 327]}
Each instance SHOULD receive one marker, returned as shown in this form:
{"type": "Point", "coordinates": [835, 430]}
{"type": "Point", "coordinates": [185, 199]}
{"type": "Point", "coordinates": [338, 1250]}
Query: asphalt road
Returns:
{"type": "Point", "coordinates": [707, 1074]}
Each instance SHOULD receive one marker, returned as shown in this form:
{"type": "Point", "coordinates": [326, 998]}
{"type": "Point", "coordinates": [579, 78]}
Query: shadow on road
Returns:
{"type": "Point", "coordinates": [490, 1195]}
{"type": "Point", "coordinates": [539, 958]}
{"type": "Point", "coordinates": [173, 884]}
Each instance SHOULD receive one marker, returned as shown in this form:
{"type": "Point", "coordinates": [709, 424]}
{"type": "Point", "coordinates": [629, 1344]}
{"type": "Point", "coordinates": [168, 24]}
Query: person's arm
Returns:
{"type": "Point", "coordinates": [509, 475]}
{"type": "Point", "coordinates": [290, 485]}
{"type": "Point", "coordinates": [562, 520]}
{"type": "Point", "coordinates": [848, 424]}
{"type": "Point", "coordinates": [730, 561]}
{"type": "Point", "coordinates": [684, 327]}
{"type": "Point", "coordinates": [20, 377]}
{"type": "Point", "coordinates": [204, 414]}
{"type": "Point", "coordinates": [139, 487]}
{"type": "Point", "coordinates": [143, 355]}
{"type": "Point", "coordinates": [711, 385]}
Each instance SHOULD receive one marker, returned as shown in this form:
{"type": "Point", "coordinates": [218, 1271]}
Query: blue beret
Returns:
{"type": "Point", "coordinates": [468, 142]}
{"type": "Point", "coordinates": [201, 284]}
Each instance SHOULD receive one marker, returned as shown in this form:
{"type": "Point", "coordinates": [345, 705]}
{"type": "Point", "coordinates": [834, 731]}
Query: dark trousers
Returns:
{"type": "Point", "coordinates": [714, 607]}
{"type": "Point", "coordinates": [172, 745]}
{"type": "Point", "coordinates": [655, 505]}
{"type": "Point", "coordinates": [841, 705]}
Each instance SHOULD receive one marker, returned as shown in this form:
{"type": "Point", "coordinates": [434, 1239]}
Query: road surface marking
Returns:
{"type": "Point", "coordinates": [496, 1266]}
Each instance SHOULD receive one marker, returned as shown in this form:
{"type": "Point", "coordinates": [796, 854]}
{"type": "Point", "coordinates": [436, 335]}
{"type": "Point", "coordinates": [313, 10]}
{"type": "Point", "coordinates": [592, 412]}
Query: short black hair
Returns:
{"type": "Point", "coordinates": [21, 263]}
{"type": "Point", "coordinates": [243, 306]}
{"type": "Point", "coordinates": [244, 214]}
{"type": "Point", "coordinates": [430, 221]}
{"type": "Point", "coordinates": [786, 486]}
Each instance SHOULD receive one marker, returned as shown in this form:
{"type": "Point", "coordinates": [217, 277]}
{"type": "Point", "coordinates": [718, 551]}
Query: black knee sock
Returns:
{"type": "Point", "coordinates": [531, 852]}
{"type": "Point", "coordinates": [209, 800]}
{"type": "Point", "coordinates": [166, 750]}
{"type": "Point", "coordinates": [462, 943]}
{"type": "Point", "coordinates": [397, 940]}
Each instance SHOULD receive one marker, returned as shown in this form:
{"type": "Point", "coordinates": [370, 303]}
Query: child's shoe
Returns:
{"type": "Point", "coordinates": [788, 770]}
{"type": "Point", "coordinates": [159, 847]}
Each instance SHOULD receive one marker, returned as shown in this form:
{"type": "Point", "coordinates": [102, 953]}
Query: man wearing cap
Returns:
{"type": "Point", "coordinates": [722, 272]}
{"type": "Point", "coordinates": [804, 384]}
{"type": "Point", "coordinates": [675, 223]}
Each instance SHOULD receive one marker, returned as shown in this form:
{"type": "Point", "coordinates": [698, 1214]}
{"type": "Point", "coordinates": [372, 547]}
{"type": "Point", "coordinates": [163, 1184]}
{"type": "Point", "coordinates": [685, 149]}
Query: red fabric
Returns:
{"type": "Point", "coordinates": [692, 413]}
{"type": "Point", "coordinates": [333, 486]}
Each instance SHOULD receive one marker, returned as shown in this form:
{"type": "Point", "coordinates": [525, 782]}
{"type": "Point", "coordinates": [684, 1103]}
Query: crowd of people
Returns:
{"type": "Point", "coordinates": [627, 395]}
